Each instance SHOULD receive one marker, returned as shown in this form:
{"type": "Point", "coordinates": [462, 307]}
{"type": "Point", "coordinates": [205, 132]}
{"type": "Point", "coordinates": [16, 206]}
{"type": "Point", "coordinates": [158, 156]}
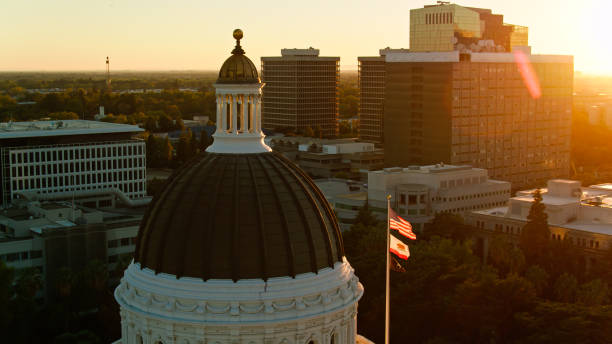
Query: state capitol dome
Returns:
{"type": "Point", "coordinates": [236, 216]}
{"type": "Point", "coordinates": [240, 245]}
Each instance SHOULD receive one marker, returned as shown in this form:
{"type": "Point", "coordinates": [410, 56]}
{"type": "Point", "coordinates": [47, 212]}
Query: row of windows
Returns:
{"type": "Point", "coordinates": [75, 153]}
{"type": "Point", "coordinates": [412, 199]}
{"type": "Point", "coordinates": [458, 182]}
{"type": "Point", "coordinates": [75, 167]}
{"type": "Point", "coordinates": [471, 196]}
{"type": "Point", "coordinates": [121, 242]}
{"type": "Point", "coordinates": [67, 183]}
{"type": "Point", "coordinates": [439, 18]}
{"type": "Point", "coordinates": [473, 207]}
{"type": "Point", "coordinates": [21, 256]}
{"type": "Point", "coordinates": [509, 229]}
{"type": "Point", "coordinates": [413, 211]}
{"type": "Point", "coordinates": [582, 242]}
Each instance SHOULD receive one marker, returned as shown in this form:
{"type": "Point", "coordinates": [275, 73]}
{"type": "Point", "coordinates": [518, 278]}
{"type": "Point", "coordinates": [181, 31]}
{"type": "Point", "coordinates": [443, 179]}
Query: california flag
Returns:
{"type": "Point", "coordinates": [398, 248]}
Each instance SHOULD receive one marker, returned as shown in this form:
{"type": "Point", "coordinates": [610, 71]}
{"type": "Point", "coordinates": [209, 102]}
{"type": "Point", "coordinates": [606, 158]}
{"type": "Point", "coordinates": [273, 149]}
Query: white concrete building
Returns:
{"type": "Point", "coordinates": [86, 160]}
{"type": "Point", "coordinates": [420, 192]}
{"type": "Point", "coordinates": [48, 236]}
{"type": "Point", "coordinates": [582, 215]}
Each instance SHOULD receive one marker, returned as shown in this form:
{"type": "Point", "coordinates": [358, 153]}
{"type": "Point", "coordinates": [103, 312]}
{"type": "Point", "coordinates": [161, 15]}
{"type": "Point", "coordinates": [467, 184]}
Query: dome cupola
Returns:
{"type": "Point", "coordinates": [238, 92]}
{"type": "Point", "coordinates": [238, 69]}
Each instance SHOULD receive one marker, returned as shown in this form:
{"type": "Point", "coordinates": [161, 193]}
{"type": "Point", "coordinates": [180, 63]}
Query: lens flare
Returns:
{"type": "Point", "coordinates": [530, 78]}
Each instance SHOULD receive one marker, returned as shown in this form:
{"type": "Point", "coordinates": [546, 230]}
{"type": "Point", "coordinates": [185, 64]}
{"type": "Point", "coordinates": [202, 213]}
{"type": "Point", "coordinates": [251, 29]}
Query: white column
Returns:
{"type": "Point", "coordinates": [252, 113]}
{"type": "Point", "coordinates": [219, 112]}
{"type": "Point", "coordinates": [224, 113]}
{"type": "Point", "coordinates": [234, 114]}
{"type": "Point", "coordinates": [257, 113]}
{"type": "Point", "coordinates": [245, 112]}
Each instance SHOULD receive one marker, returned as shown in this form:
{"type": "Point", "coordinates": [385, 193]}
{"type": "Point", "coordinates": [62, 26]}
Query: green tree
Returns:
{"type": "Point", "coordinates": [205, 140]}
{"type": "Point", "coordinates": [167, 152]}
{"type": "Point", "coordinates": [6, 101]}
{"type": "Point", "coordinates": [29, 282]}
{"type": "Point", "coordinates": [535, 235]}
{"type": "Point", "coordinates": [565, 288]}
{"type": "Point", "coordinates": [6, 294]}
{"type": "Point", "coordinates": [365, 216]}
{"type": "Point", "coordinates": [551, 322]}
{"type": "Point", "coordinates": [150, 124]}
{"type": "Point", "coordinates": [505, 256]}
{"type": "Point", "coordinates": [593, 293]}
{"type": "Point", "coordinates": [81, 337]}
{"type": "Point", "coordinates": [538, 277]}
{"type": "Point", "coordinates": [185, 147]}
{"type": "Point", "coordinates": [308, 132]}
{"type": "Point", "coordinates": [446, 225]}
{"type": "Point", "coordinates": [63, 115]}
{"type": "Point", "coordinates": [165, 123]}
{"type": "Point", "coordinates": [313, 148]}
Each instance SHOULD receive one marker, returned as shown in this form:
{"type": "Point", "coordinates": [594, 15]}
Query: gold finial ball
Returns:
{"type": "Point", "coordinates": [238, 34]}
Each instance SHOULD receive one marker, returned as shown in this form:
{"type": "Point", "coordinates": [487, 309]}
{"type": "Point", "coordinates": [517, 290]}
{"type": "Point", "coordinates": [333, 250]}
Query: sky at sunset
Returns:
{"type": "Point", "coordinates": [197, 35]}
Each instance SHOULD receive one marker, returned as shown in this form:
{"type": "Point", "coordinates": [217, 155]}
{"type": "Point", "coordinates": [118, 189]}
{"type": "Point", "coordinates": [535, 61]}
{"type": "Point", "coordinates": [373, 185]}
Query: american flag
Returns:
{"type": "Point", "coordinates": [402, 226]}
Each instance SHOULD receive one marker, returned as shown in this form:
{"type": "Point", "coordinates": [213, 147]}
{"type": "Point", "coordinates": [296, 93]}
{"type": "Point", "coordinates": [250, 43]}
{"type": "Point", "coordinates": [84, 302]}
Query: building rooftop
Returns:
{"type": "Point", "coordinates": [454, 56]}
{"type": "Point", "coordinates": [300, 52]}
{"type": "Point", "coordinates": [357, 196]}
{"type": "Point", "coordinates": [12, 130]}
{"type": "Point", "coordinates": [438, 168]}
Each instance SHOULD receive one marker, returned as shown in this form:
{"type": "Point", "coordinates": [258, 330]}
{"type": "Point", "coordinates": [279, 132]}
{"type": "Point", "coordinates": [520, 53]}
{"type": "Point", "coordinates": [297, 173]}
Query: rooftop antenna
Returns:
{"type": "Point", "coordinates": [108, 80]}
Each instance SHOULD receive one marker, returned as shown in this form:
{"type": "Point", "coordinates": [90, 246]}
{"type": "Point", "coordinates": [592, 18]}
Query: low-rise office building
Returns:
{"type": "Point", "coordinates": [50, 236]}
{"type": "Point", "coordinates": [420, 192]}
{"type": "Point", "coordinates": [72, 159]}
{"type": "Point", "coordinates": [323, 158]}
{"type": "Point", "coordinates": [581, 215]}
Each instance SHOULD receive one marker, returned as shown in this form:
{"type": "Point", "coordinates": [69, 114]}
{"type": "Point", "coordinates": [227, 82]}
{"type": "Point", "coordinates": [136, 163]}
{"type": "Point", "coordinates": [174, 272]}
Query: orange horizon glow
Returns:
{"type": "Point", "coordinates": [183, 35]}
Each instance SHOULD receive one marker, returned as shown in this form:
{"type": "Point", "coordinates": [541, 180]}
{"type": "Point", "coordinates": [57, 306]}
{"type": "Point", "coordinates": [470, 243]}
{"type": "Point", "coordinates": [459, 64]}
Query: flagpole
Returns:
{"type": "Point", "coordinates": [387, 273]}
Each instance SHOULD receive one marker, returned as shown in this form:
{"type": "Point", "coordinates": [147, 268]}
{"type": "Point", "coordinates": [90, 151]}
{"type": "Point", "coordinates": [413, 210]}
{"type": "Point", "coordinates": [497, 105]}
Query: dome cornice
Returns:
{"type": "Point", "coordinates": [219, 301]}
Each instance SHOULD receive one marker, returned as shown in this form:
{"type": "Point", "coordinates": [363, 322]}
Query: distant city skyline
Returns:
{"type": "Point", "coordinates": [69, 35]}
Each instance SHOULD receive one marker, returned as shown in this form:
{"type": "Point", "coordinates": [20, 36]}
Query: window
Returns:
{"type": "Point", "coordinates": [412, 199]}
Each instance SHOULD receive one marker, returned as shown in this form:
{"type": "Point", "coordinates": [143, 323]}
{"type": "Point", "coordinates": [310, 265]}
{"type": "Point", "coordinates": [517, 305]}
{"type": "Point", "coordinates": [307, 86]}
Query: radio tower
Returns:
{"type": "Point", "coordinates": [108, 80]}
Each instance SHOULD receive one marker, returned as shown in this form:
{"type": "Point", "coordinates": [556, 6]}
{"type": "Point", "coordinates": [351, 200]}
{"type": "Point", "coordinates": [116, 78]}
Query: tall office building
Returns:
{"type": "Point", "coordinates": [94, 162]}
{"type": "Point", "coordinates": [448, 27]}
{"type": "Point", "coordinates": [301, 91]}
{"type": "Point", "coordinates": [470, 103]}
{"type": "Point", "coordinates": [372, 95]}
{"type": "Point", "coordinates": [474, 109]}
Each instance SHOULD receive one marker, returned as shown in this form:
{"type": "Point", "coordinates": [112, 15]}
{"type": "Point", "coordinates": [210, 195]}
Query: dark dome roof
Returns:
{"type": "Point", "coordinates": [238, 216]}
{"type": "Point", "coordinates": [238, 69]}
